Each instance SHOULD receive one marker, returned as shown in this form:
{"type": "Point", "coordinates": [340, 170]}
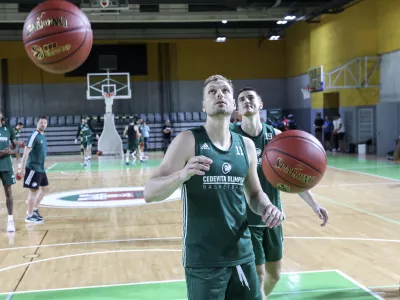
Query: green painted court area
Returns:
{"type": "Point", "coordinates": [307, 285]}
{"type": "Point", "coordinates": [382, 168]}
{"type": "Point", "coordinates": [96, 166]}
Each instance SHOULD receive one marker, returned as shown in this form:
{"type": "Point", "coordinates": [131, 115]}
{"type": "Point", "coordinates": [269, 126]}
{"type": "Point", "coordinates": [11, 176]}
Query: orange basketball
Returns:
{"type": "Point", "coordinates": [57, 36]}
{"type": "Point", "coordinates": [294, 161]}
{"type": "Point", "coordinates": [99, 153]}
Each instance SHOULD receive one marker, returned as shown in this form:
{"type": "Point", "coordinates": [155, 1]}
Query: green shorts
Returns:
{"type": "Point", "coordinates": [133, 145]}
{"type": "Point", "coordinates": [223, 283]}
{"type": "Point", "coordinates": [7, 177]}
{"type": "Point", "coordinates": [86, 141]}
{"type": "Point", "coordinates": [267, 244]}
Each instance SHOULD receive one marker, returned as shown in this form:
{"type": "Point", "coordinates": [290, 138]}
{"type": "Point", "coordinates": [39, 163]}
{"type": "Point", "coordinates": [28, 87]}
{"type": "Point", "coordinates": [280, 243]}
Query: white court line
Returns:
{"type": "Point", "coordinates": [372, 167]}
{"type": "Point", "coordinates": [356, 184]}
{"type": "Point", "coordinates": [357, 209]}
{"type": "Point", "coordinates": [359, 285]}
{"type": "Point", "coordinates": [172, 238]}
{"type": "Point", "coordinates": [51, 167]}
{"type": "Point", "coordinates": [87, 254]}
{"type": "Point", "coordinates": [94, 242]}
{"type": "Point", "coordinates": [143, 283]}
{"type": "Point", "coordinates": [363, 173]}
{"type": "Point", "coordinates": [98, 214]}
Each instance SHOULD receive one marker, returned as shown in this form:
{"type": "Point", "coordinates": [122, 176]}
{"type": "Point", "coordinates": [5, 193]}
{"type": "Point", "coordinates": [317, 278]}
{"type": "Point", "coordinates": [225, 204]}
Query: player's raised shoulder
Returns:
{"type": "Point", "coordinates": [251, 148]}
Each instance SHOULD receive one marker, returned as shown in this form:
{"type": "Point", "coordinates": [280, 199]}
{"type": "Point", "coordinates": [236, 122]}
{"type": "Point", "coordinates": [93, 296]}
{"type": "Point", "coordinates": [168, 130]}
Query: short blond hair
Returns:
{"type": "Point", "coordinates": [216, 78]}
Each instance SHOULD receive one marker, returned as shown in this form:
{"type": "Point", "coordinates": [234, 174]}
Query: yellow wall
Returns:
{"type": "Point", "coordinates": [388, 20]}
{"type": "Point", "coordinates": [297, 44]}
{"type": "Point", "coordinates": [235, 59]}
{"type": "Point", "coordinates": [367, 28]}
{"type": "Point", "coordinates": [194, 60]}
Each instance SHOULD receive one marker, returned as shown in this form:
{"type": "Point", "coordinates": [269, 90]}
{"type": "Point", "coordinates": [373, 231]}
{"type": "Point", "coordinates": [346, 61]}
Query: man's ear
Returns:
{"type": "Point", "coordinates": [203, 108]}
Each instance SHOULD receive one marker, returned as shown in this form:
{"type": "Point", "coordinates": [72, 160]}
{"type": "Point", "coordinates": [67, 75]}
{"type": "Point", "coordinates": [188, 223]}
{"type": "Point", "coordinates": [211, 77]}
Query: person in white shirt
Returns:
{"type": "Point", "coordinates": [146, 134]}
{"type": "Point", "coordinates": [338, 133]}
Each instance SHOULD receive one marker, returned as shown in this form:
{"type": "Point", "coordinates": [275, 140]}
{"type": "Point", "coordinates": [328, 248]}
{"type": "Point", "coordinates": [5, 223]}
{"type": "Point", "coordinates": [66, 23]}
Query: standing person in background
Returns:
{"type": "Point", "coordinates": [292, 125]}
{"type": "Point", "coordinates": [20, 144]}
{"type": "Point", "coordinates": [396, 154]}
{"type": "Point", "coordinates": [146, 135]}
{"type": "Point", "coordinates": [7, 137]}
{"type": "Point", "coordinates": [338, 133]}
{"type": "Point", "coordinates": [328, 127]}
{"type": "Point", "coordinates": [34, 172]}
{"type": "Point", "coordinates": [133, 136]}
{"type": "Point", "coordinates": [86, 132]}
{"type": "Point", "coordinates": [167, 131]}
{"type": "Point", "coordinates": [318, 123]}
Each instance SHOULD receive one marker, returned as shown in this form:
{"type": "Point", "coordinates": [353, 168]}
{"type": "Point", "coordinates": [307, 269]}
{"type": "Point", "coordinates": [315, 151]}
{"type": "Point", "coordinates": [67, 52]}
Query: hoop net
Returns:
{"type": "Point", "coordinates": [109, 99]}
{"type": "Point", "coordinates": [307, 92]}
{"type": "Point", "coordinates": [104, 3]}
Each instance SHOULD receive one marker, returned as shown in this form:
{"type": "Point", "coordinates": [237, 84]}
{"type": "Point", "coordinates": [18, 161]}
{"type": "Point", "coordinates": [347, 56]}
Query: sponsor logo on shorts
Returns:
{"type": "Point", "coordinates": [101, 197]}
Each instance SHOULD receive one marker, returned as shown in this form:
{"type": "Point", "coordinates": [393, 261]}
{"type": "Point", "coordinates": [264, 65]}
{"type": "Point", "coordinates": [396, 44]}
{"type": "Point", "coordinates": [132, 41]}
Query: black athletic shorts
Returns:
{"type": "Point", "coordinates": [34, 179]}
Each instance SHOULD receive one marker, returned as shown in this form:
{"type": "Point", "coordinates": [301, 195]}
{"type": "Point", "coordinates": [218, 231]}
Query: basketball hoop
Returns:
{"type": "Point", "coordinates": [104, 3]}
{"type": "Point", "coordinates": [109, 99]}
{"type": "Point", "coordinates": [307, 92]}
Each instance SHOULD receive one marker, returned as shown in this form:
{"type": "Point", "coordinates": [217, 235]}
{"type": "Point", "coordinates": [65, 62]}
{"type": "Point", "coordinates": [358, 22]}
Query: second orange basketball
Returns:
{"type": "Point", "coordinates": [294, 161]}
{"type": "Point", "coordinates": [57, 36]}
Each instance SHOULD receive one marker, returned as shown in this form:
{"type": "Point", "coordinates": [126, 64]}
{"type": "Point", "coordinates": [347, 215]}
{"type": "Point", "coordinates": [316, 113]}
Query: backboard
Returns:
{"type": "Point", "coordinates": [104, 6]}
{"type": "Point", "coordinates": [100, 83]}
{"type": "Point", "coordinates": [316, 79]}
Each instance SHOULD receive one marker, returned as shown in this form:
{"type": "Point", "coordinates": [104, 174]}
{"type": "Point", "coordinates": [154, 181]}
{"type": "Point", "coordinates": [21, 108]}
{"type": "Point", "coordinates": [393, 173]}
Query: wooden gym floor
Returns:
{"type": "Point", "coordinates": [124, 248]}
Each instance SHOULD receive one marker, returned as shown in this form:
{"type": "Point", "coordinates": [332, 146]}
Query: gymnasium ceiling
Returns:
{"type": "Point", "coordinates": [179, 18]}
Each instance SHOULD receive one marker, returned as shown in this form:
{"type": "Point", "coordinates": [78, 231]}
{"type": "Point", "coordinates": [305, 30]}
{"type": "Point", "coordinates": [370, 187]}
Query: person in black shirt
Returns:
{"type": "Point", "coordinates": [318, 124]}
{"type": "Point", "coordinates": [133, 136]}
{"type": "Point", "coordinates": [167, 131]}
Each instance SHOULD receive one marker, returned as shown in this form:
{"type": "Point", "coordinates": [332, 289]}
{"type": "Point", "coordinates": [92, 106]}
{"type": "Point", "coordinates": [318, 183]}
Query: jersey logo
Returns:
{"type": "Point", "coordinates": [226, 168]}
{"type": "Point", "coordinates": [258, 151]}
{"type": "Point", "coordinates": [268, 136]}
{"type": "Point", "coordinates": [205, 147]}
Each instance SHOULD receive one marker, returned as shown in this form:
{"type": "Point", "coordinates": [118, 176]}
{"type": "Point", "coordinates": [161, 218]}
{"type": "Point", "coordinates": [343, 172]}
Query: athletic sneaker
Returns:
{"type": "Point", "coordinates": [33, 219]}
{"type": "Point", "coordinates": [37, 215]}
{"type": "Point", "coordinates": [10, 226]}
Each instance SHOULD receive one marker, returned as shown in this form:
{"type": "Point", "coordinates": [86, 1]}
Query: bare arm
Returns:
{"type": "Point", "coordinates": [308, 197]}
{"type": "Point", "coordinates": [255, 196]}
{"type": "Point", "coordinates": [322, 213]}
{"type": "Point", "coordinates": [178, 165]}
{"type": "Point", "coordinates": [27, 150]}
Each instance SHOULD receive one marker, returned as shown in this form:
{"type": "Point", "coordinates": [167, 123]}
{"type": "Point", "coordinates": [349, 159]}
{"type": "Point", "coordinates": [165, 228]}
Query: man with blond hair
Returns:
{"type": "Point", "coordinates": [217, 170]}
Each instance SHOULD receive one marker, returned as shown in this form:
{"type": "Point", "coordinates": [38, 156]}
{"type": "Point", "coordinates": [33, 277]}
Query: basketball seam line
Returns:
{"type": "Point", "coordinates": [55, 33]}
{"type": "Point", "coordinates": [297, 137]}
{"type": "Point", "coordinates": [284, 179]}
{"type": "Point", "coordinates": [280, 151]}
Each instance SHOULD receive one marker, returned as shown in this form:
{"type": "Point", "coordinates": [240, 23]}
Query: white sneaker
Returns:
{"type": "Point", "coordinates": [10, 226]}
